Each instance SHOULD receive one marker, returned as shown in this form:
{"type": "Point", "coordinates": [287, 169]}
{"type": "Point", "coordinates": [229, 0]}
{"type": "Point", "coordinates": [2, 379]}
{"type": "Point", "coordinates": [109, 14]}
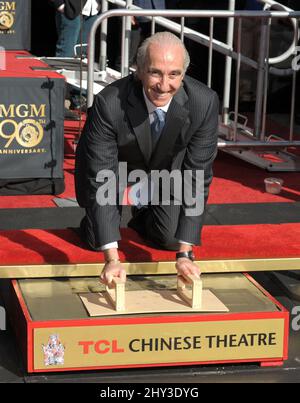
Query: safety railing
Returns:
{"type": "Point", "coordinates": [264, 65]}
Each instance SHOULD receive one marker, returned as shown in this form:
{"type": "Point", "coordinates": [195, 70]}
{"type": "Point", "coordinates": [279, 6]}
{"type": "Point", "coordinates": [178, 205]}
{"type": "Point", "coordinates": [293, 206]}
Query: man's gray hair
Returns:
{"type": "Point", "coordinates": [162, 38]}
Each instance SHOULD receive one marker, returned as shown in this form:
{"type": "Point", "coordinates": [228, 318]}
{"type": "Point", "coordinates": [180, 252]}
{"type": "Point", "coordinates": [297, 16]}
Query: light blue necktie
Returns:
{"type": "Point", "coordinates": [157, 125]}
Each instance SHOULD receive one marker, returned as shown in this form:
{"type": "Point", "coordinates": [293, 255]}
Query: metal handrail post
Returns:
{"type": "Point", "coordinates": [293, 101]}
{"type": "Point", "coordinates": [103, 38]}
{"type": "Point", "coordinates": [153, 23]}
{"type": "Point", "coordinates": [228, 66]}
{"type": "Point", "coordinates": [266, 85]}
{"type": "Point", "coordinates": [126, 35]}
{"type": "Point", "coordinates": [237, 82]}
{"type": "Point", "coordinates": [182, 22]}
{"type": "Point", "coordinates": [260, 78]}
{"type": "Point", "coordinates": [210, 52]}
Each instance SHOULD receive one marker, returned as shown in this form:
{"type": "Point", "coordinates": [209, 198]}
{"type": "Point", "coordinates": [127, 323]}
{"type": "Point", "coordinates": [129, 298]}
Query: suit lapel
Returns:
{"type": "Point", "coordinates": [139, 119]}
{"type": "Point", "coordinates": [176, 120]}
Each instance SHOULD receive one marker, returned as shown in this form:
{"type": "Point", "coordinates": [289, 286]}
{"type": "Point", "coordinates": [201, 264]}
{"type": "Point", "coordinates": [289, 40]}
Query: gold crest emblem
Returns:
{"type": "Point", "coordinates": [6, 20]}
{"type": "Point", "coordinates": [30, 133]}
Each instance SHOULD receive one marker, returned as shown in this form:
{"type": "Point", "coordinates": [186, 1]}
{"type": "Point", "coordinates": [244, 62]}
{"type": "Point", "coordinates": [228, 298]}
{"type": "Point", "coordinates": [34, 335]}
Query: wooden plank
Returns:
{"type": "Point", "coordinates": [146, 268]}
{"type": "Point", "coordinates": [149, 301]}
{"type": "Point", "coordinates": [116, 294]}
{"type": "Point", "coordinates": [193, 298]}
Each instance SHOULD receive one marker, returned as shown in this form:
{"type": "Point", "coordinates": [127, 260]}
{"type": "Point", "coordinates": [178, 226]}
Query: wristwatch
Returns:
{"type": "Point", "coordinates": [189, 255]}
{"type": "Point", "coordinates": [112, 260]}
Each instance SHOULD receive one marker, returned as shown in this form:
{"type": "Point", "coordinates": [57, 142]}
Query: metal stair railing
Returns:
{"type": "Point", "coordinates": [230, 131]}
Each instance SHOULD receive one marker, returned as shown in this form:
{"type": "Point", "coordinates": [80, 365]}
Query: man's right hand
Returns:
{"type": "Point", "coordinates": [112, 269]}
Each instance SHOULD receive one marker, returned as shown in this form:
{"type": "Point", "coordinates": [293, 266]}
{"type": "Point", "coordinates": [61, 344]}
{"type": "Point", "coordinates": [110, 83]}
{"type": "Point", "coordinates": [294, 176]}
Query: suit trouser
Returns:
{"type": "Point", "coordinates": [156, 224]}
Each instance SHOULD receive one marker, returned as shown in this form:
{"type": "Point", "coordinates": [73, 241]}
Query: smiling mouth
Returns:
{"type": "Point", "coordinates": [161, 95]}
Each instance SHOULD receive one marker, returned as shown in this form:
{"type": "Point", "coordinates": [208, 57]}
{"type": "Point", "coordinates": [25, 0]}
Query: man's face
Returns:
{"type": "Point", "coordinates": [163, 73]}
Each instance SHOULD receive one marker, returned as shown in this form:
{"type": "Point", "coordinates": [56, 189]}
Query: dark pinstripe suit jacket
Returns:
{"type": "Point", "coordinates": [118, 129]}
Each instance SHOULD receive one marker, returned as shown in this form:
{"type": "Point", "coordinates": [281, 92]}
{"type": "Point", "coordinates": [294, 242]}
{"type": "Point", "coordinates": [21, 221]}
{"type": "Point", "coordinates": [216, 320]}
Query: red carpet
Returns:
{"type": "Point", "coordinates": [219, 242]}
{"type": "Point", "coordinates": [235, 181]}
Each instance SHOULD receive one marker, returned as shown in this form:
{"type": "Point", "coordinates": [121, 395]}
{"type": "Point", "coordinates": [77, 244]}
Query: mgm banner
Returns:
{"type": "Point", "coordinates": [15, 24]}
{"type": "Point", "coordinates": [31, 130]}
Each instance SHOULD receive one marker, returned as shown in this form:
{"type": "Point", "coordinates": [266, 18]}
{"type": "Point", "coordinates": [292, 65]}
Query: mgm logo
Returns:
{"type": "Point", "coordinates": [27, 131]}
{"type": "Point", "coordinates": [7, 12]}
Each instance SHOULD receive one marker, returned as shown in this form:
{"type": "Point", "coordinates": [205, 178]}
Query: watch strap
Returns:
{"type": "Point", "coordinates": [189, 255]}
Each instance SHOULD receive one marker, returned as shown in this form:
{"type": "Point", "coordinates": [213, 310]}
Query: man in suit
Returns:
{"type": "Point", "coordinates": [120, 128]}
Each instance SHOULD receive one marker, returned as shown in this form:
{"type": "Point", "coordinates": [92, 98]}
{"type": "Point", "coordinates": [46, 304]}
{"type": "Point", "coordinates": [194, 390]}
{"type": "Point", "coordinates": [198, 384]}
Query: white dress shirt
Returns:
{"type": "Point", "coordinates": [151, 107]}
